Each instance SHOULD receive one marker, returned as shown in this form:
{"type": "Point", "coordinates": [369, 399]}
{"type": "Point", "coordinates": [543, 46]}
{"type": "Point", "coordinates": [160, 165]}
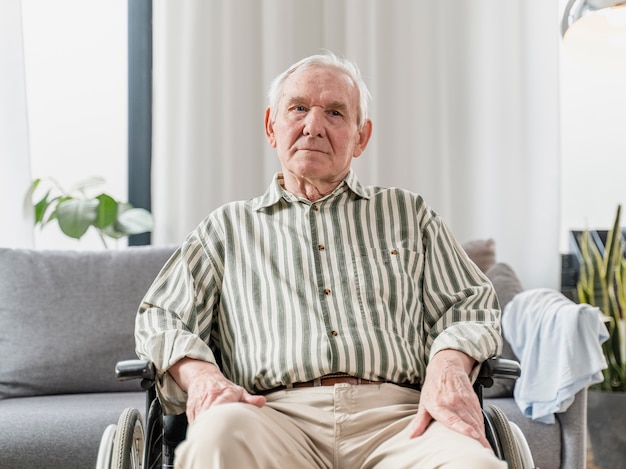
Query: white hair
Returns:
{"type": "Point", "coordinates": [327, 59]}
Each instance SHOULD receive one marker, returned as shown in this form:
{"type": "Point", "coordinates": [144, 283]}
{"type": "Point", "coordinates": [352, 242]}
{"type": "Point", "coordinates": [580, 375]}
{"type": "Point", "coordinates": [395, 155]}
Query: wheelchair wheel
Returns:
{"type": "Point", "coordinates": [153, 456]}
{"type": "Point", "coordinates": [128, 442]}
{"type": "Point", "coordinates": [506, 446]}
{"type": "Point", "coordinates": [105, 451]}
{"type": "Point", "coordinates": [492, 436]}
{"type": "Point", "coordinates": [522, 444]}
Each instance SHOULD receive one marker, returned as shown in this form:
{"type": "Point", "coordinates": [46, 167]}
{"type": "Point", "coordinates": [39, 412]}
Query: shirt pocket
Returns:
{"type": "Point", "coordinates": [388, 282]}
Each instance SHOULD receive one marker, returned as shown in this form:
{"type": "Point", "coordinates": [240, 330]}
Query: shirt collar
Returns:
{"type": "Point", "coordinates": [275, 191]}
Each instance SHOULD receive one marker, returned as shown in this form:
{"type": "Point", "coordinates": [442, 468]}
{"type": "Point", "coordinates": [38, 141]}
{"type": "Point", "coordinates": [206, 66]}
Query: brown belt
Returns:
{"type": "Point", "coordinates": [331, 380]}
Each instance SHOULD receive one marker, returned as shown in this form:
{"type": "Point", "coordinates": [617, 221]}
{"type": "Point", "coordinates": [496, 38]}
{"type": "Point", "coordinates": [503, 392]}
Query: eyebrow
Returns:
{"type": "Point", "coordinates": [337, 105]}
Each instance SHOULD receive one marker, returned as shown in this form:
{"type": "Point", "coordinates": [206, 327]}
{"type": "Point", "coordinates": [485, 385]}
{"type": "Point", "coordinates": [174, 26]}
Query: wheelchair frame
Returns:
{"type": "Point", "coordinates": [130, 445]}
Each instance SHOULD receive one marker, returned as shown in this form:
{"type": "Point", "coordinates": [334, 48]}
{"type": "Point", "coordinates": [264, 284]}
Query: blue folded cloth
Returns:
{"type": "Point", "coordinates": [559, 346]}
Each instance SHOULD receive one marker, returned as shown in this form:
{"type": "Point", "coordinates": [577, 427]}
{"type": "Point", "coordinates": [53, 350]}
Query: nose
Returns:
{"type": "Point", "coordinates": [314, 123]}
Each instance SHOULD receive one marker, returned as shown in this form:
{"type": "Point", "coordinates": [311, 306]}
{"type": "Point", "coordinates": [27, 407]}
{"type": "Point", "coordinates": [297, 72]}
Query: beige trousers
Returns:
{"type": "Point", "coordinates": [342, 426]}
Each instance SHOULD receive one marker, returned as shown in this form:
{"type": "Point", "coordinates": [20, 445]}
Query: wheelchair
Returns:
{"type": "Point", "coordinates": [130, 444]}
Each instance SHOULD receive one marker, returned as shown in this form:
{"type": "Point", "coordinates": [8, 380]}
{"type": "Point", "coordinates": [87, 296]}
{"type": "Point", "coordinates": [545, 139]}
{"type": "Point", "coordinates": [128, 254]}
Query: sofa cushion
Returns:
{"type": "Point", "coordinates": [507, 285]}
{"type": "Point", "coordinates": [505, 282]}
{"type": "Point", "coordinates": [45, 432]}
{"type": "Point", "coordinates": [545, 441]}
{"type": "Point", "coordinates": [66, 317]}
{"type": "Point", "coordinates": [482, 252]}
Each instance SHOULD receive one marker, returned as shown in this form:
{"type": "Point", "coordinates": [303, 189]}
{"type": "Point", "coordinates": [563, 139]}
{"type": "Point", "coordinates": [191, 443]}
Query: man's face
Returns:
{"type": "Point", "coordinates": [315, 132]}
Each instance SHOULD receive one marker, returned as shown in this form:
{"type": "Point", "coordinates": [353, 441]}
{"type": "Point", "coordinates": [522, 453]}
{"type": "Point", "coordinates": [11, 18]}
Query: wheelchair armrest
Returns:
{"type": "Point", "coordinates": [136, 369]}
{"type": "Point", "coordinates": [497, 368]}
{"type": "Point", "coordinates": [502, 368]}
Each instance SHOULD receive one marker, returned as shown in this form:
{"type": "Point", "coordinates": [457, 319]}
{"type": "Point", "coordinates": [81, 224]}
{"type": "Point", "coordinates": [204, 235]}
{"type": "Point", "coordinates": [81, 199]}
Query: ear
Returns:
{"type": "Point", "coordinates": [364, 137]}
{"type": "Point", "coordinates": [269, 129]}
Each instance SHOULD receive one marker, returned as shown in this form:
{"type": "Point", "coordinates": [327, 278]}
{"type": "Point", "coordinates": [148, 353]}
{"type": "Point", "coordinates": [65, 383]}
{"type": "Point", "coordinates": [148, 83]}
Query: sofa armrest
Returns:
{"type": "Point", "coordinates": [573, 431]}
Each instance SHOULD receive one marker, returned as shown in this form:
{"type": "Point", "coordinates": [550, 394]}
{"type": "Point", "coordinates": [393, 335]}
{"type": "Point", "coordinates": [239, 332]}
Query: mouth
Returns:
{"type": "Point", "coordinates": [312, 150]}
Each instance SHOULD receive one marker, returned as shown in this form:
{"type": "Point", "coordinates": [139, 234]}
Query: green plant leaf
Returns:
{"type": "Point", "coordinates": [75, 216]}
{"type": "Point", "coordinates": [34, 185]}
{"type": "Point", "coordinates": [40, 209]}
{"type": "Point", "coordinates": [107, 211]}
{"type": "Point", "coordinates": [620, 282]}
{"type": "Point", "coordinates": [134, 221]}
{"type": "Point", "coordinates": [613, 254]}
{"type": "Point", "coordinates": [28, 206]}
{"type": "Point", "coordinates": [75, 211]}
{"type": "Point", "coordinates": [602, 283]}
{"type": "Point", "coordinates": [123, 207]}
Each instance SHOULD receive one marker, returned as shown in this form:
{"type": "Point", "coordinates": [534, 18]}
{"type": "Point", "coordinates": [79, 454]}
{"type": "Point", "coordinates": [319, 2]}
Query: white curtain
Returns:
{"type": "Point", "coordinates": [465, 109]}
{"type": "Point", "coordinates": [16, 226]}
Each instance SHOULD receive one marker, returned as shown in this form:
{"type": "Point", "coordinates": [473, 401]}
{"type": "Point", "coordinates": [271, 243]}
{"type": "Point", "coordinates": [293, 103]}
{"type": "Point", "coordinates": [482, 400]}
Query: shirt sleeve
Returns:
{"type": "Point", "coordinates": [175, 317]}
{"type": "Point", "coordinates": [461, 307]}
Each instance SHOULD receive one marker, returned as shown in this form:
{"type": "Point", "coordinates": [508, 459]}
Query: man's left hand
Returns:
{"type": "Point", "coordinates": [448, 397]}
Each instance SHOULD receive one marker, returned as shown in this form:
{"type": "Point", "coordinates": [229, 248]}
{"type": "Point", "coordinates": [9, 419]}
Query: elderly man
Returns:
{"type": "Point", "coordinates": [323, 324]}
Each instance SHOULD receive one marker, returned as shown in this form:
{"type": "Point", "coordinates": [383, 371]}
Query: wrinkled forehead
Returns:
{"type": "Point", "coordinates": [324, 83]}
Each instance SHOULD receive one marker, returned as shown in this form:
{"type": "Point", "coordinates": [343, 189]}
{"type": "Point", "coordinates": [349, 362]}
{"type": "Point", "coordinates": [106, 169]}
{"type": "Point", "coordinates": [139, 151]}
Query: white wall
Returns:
{"type": "Point", "coordinates": [593, 117]}
{"type": "Point", "coordinates": [76, 85]}
{"type": "Point", "coordinates": [76, 72]}
{"type": "Point", "coordinates": [16, 225]}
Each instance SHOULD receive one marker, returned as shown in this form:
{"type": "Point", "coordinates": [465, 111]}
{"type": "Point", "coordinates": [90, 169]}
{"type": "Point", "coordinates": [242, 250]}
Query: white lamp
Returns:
{"type": "Point", "coordinates": [576, 9]}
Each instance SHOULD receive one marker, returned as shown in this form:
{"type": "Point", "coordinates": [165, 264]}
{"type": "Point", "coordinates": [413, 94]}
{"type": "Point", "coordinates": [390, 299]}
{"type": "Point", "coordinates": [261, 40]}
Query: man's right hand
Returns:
{"type": "Point", "coordinates": [206, 386]}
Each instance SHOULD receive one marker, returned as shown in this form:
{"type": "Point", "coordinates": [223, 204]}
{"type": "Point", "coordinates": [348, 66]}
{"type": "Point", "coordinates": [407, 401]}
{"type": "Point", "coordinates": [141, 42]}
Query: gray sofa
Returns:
{"type": "Point", "coordinates": [67, 317]}
{"type": "Point", "coordinates": [558, 445]}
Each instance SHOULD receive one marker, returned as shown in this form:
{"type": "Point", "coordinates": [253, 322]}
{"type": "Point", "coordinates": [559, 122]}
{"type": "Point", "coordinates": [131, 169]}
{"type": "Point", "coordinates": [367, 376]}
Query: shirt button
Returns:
{"type": "Point", "coordinates": [327, 291]}
{"type": "Point", "coordinates": [334, 333]}
{"type": "Point", "coordinates": [394, 252]}
{"type": "Point", "coordinates": [316, 208]}
{"type": "Point", "coordinates": [321, 247]}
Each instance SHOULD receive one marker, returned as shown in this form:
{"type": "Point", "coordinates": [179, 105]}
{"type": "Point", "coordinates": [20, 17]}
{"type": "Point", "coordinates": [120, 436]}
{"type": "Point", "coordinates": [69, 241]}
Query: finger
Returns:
{"type": "Point", "coordinates": [420, 422]}
{"type": "Point", "coordinates": [191, 413]}
{"type": "Point", "coordinates": [481, 430]}
{"type": "Point", "coordinates": [227, 395]}
{"type": "Point", "coordinates": [483, 441]}
{"type": "Point", "coordinates": [258, 401]}
{"type": "Point", "coordinates": [195, 406]}
{"type": "Point", "coordinates": [454, 422]}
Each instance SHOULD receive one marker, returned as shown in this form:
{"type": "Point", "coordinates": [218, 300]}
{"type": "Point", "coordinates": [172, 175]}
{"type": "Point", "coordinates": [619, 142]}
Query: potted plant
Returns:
{"type": "Point", "coordinates": [602, 283]}
{"type": "Point", "coordinates": [75, 211]}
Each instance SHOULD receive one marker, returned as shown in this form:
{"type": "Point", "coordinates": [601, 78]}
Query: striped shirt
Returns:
{"type": "Point", "coordinates": [367, 281]}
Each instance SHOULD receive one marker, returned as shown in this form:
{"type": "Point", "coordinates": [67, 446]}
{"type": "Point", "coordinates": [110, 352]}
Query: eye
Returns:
{"type": "Point", "coordinates": [299, 108]}
{"type": "Point", "coordinates": [334, 112]}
